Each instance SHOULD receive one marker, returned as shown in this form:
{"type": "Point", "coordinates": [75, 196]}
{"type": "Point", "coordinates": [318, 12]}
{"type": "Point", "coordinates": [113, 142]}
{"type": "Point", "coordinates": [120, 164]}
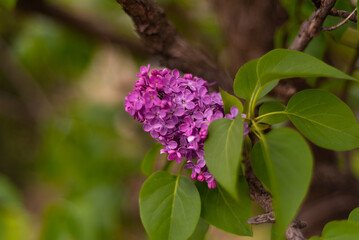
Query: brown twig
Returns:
{"type": "Point", "coordinates": [294, 230]}
{"type": "Point", "coordinates": [263, 218]}
{"type": "Point", "coordinates": [308, 30]}
{"type": "Point", "coordinates": [312, 27]}
{"type": "Point", "coordinates": [335, 12]}
{"type": "Point", "coordinates": [343, 14]}
{"type": "Point", "coordinates": [161, 38]}
{"type": "Point", "coordinates": [256, 190]}
{"type": "Point", "coordinates": [341, 23]}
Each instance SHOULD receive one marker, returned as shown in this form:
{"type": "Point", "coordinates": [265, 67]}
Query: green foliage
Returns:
{"type": "Point", "coordinates": [148, 161]}
{"type": "Point", "coordinates": [90, 216]}
{"type": "Point", "coordinates": [229, 101]}
{"type": "Point", "coordinates": [222, 211]}
{"type": "Point", "coordinates": [169, 206]}
{"type": "Point", "coordinates": [14, 220]}
{"type": "Point", "coordinates": [89, 165]}
{"type": "Point", "coordinates": [64, 53]}
{"type": "Point", "coordinates": [324, 119]}
{"type": "Point", "coordinates": [82, 148]}
{"type": "Point", "coordinates": [270, 107]}
{"type": "Point", "coordinates": [8, 4]}
{"type": "Point", "coordinates": [223, 150]}
{"type": "Point", "coordinates": [259, 76]}
{"type": "Point", "coordinates": [8, 193]}
{"type": "Point", "coordinates": [283, 162]}
{"type": "Point", "coordinates": [341, 230]}
{"type": "Point", "coordinates": [85, 158]}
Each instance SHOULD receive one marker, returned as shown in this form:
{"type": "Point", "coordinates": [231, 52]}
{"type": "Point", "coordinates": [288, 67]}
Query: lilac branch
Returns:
{"type": "Point", "coordinates": [312, 27]}
{"type": "Point", "coordinates": [341, 23]}
{"type": "Point", "coordinates": [343, 14]}
{"type": "Point", "coordinates": [161, 38]}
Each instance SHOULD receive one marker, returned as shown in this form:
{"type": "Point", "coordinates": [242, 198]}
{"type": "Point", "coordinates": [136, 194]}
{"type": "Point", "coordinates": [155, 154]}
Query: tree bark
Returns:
{"type": "Point", "coordinates": [249, 27]}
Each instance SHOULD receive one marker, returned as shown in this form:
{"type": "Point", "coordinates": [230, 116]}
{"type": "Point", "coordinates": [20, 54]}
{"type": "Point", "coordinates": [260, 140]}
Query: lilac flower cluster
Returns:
{"type": "Point", "coordinates": [177, 112]}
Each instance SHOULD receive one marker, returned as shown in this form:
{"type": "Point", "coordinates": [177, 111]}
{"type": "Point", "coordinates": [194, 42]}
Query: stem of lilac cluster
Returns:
{"type": "Point", "coordinates": [181, 169]}
{"type": "Point", "coordinates": [167, 165]}
{"type": "Point", "coordinates": [269, 114]}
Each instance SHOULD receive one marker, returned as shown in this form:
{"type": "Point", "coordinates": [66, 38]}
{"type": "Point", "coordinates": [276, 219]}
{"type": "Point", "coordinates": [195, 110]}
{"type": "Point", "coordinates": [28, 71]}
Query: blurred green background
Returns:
{"type": "Point", "coordinates": [69, 154]}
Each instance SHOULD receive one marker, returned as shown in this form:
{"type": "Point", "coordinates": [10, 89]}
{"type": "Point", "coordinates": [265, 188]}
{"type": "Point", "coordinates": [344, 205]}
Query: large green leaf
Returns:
{"type": "Point", "coordinates": [284, 63]}
{"type": "Point", "coordinates": [222, 211]}
{"type": "Point", "coordinates": [149, 159]}
{"type": "Point", "coordinates": [354, 215]}
{"type": "Point", "coordinates": [169, 206]}
{"type": "Point", "coordinates": [341, 230]}
{"type": "Point", "coordinates": [223, 149]}
{"type": "Point", "coordinates": [324, 119]}
{"type": "Point", "coordinates": [229, 101]}
{"type": "Point", "coordinates": [257, 77]}
{"type": "Point", "coordinates": [246, 83]}
{"type": "Point", "coordinates": [283, 162]}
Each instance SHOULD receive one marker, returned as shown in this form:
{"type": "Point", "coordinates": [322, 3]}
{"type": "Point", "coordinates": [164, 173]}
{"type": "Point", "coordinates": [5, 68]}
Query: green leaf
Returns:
{"type": "Point", "coordinates": [201, 230]}
{"type": "Point", "coordinates": [324, 119]}
{"type": "Point", "coordinates": [354, 215]}
{"type": "Point", "coordinates": [222, 211]}
{"type": "Point", "coordinates": [229, 101]}
{"type": "Point", "coordinates": [8, 4]}
{"type": "Point", "coordinates": [357, 15]}
{"type": "Point", "coordinates": [341, 230]}
{"type": "Point", "coordinates": [169, 206]}
{"type": "Point", "coordinates": [246, 82]}
{"type": "Point", "coordinates": [282, 160]}
{"type": "Point", "coordinates": [148, 161]}
{"type": "Point", "coordinates": [269, 107]}
{"type": "Point", "coordinates": [284, 63]}
{"type": "Point", "coordinates": [223, 149]}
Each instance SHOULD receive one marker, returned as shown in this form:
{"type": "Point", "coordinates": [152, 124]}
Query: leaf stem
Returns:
{"type": "Point", "coordinates": [269, 114]}
{"type": "Point", "coordinates": [252, 102]}
{"type": "Point", "coordinates": [257, 131]}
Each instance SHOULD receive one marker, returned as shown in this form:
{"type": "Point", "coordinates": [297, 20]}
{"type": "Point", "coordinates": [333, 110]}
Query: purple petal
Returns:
{"type": "Point", "coordinates": [172, 145]}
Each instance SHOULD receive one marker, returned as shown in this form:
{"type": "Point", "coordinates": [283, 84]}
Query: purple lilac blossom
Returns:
{"type": "Point", "coordinates": [177, 112]}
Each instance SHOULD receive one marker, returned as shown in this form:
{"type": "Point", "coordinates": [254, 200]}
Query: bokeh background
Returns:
{"type": "Point", "coordinates": [69, 154]}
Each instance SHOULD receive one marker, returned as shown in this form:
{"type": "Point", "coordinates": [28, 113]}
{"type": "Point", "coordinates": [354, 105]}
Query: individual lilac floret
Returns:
{"type": "Point", "coordinates": [177, 112]}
